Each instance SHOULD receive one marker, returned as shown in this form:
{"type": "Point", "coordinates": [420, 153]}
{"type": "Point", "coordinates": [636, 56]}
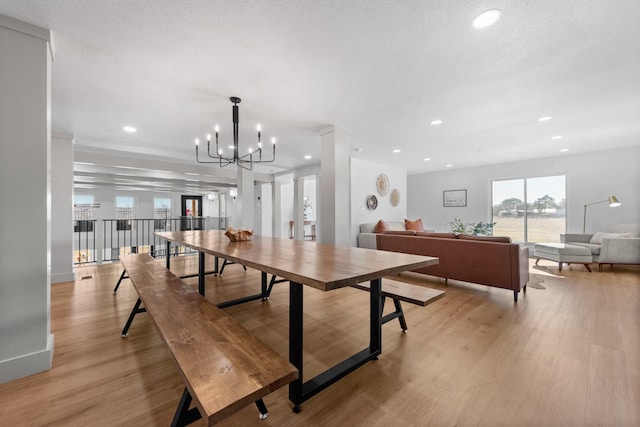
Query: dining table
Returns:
{"type": "Point", "coordinates": [321, 266]}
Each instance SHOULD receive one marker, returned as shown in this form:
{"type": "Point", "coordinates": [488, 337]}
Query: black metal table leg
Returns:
{"type": "Point", "coordinates": [295, 342]}
{"type": "Point", "coordinates": [263, 285]}
{"type": "Point", "coordinates": [168, 249]}
{"type": "Point", "coordinates": [136, 309]}
{"type": "Point", "coordinates": [201, 273]}
{"type": "Point", "coordinates": [301, 391]}
{"type": "Point", "coordinates": [122, 276]}
{"type": "Point", "coordinates": [185, 416]}
{"type": "Point", "coordinates": [375, 301]}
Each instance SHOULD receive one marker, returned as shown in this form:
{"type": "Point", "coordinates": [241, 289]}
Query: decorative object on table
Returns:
{"type": "Point", "coordinates": [454, 198]}
{"type": "Point", "coordinates": [394, 197]}
{"type": "Point", "coordinates": [613, 203]}
{"type": "Point", "coordinates": [382, 184]}
{"type": "Point", "coordinates": [474, 228]}
{"type": "Point", "coordinates": [414, 225]}
{"type": "Point", "coordinates": [238, 234]}
{"type": "Point", "coordinates": [246, 161]}
{"type": "Point", "coordinates": [372, 202]}
{"type": "Point", "coordinates": [307, 209]}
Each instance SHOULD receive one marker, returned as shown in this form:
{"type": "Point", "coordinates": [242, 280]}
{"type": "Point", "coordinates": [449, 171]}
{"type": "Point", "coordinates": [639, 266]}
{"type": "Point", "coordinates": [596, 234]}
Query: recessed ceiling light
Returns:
{"type": "Point", "coordinates": [307, 157]}
{"type": "Point", "coordinates": [426, 159]}
{"type": "Point", "coordinates": [564, 150]}
{"type": "Point", "coordinates": [544, 119]}
{"type": "Point", "coordinates": [436, 122]}
{"type": "Point", "coordinates": [129, 129]}
{"type": "Point", "coordinates": [396, 150]}
{"type": "Point", "coordinates": [486, 18]}
{"type": "Point", "coordinates": [449, 166]}
{"type": "Point", "coordinates": [557, 137]}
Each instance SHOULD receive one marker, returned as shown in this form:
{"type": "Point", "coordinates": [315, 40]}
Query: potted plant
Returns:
{"type": "Point", "coordinates": [477, 229]}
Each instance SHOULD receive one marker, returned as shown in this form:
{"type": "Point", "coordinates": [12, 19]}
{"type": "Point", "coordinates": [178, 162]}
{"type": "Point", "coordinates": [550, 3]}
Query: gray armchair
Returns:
{"type": "Point", "coordinates": [611, 250]}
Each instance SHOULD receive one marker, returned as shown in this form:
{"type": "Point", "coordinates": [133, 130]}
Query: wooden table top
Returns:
{"type": "Point", "coordinates": [318, 265]}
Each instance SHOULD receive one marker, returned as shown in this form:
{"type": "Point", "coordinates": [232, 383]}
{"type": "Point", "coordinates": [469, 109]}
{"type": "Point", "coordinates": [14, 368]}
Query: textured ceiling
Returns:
{"type": "Point", "coordinates": [378, 70]}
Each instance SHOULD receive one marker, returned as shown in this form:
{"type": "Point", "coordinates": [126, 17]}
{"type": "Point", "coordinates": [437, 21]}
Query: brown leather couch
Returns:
{"type": "Point", "coordinates": [492, 261]}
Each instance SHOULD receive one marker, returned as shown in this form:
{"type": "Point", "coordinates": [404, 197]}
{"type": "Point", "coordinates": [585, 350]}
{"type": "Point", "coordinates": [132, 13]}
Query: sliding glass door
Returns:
{"type": "Point", "coordinates": [530, 209]}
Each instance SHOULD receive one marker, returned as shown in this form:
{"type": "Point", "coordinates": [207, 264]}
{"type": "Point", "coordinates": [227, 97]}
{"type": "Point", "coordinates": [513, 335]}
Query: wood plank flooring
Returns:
{"type": "Point", "coordinates": [565, 355]}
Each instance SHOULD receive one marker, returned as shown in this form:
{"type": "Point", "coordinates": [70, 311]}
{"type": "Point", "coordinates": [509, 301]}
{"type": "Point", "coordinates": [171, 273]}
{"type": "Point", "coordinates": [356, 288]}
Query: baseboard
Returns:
{"type": "Point", "coordinates": [63, 277]}
{"type": "Point", "coordinates": [28, 364]}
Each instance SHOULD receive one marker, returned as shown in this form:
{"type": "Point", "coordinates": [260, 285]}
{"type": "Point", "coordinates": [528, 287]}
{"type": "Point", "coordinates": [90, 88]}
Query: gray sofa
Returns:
{"type": "Point", "coordinates": [607, 248]}
{"type": "Point", "coordinates": [367, 238]}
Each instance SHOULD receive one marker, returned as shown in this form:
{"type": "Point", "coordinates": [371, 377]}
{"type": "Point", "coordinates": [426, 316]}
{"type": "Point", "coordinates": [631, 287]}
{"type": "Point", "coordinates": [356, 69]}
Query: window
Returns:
{"type": "Point", "coordinates": [530, 209]}
{"type": "Point", "coordinates": [124, 212]}
{"type": "Point", "coordinates": [83, 206]}
{"type": "Point", "coordinates": [161, 212]}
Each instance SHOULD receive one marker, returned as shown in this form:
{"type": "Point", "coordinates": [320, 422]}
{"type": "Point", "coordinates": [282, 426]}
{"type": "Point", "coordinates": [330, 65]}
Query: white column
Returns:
{"type": "Point", "coordinates": [62, 208]}
{"type": "Point", "coordinates": [244, 203]}
{"type": "Point", "coordinates": [25, 190]}
{"type": "Point", "coordinates": [334, 188]}
{"type": "Point", "coordinates": [298, 208]}
{"type": "Point", "coordinates": [276, 218]}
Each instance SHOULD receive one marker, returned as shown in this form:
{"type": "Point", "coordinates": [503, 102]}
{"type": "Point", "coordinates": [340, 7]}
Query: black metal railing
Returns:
{"type": "Point", "coordinates": [84, 243]}
{"type": "Point", "coordinates": [125, 236]}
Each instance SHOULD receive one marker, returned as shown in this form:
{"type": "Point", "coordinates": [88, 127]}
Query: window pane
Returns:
{"type": "Point", "coordinates": [546, 214]}
{"type": "Point", "coordinates": [508, 208]}
{"type": "Point", "coordinates": [124, 208]}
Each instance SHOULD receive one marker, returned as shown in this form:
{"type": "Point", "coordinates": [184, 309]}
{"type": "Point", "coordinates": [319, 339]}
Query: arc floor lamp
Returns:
{"type": "Point", "coordinates": [613, 202]}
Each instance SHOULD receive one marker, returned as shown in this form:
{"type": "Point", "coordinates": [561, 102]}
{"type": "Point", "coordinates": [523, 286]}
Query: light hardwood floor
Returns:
{"type": "Point", "coordinates": [566, 355]}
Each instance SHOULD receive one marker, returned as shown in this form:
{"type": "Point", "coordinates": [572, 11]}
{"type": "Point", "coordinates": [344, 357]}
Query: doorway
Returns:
{"type": "Point", "coordinates": [191, 213]}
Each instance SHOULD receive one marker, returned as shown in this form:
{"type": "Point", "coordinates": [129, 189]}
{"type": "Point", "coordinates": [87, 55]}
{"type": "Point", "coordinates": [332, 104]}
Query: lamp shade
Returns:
{"type": "Point", "coordinates": [614, 202]}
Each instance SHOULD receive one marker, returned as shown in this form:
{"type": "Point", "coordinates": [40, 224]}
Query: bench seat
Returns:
{"type": "Point", "coordinates": [223, 365]}
{"type": "Point", "coordinates": [401, 291]}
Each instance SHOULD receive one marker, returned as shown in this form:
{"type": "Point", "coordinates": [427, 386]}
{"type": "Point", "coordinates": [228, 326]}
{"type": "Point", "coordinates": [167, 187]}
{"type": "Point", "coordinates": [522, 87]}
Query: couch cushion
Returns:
{"type": "Point", "coordinates": [595, 249]}
{"type": "Point", "coordinates": [396, 225]}
{"type": "Point", "coordinates": [597, 237]}
{"type": "Point", "coordinates": [497, 239]}
{"type": "Point", "coordinates": [400, 232]}
{"type": "Point", "coordinates": [414, 225]}
{"type": "Point", "coordinates": [633, 229]}
{"type": "Point", "coordinates": [367, 227]}
{"type": "Point", "coordinates": [439, 235]}
{"type": "Point", "coordinates": [380, 227]}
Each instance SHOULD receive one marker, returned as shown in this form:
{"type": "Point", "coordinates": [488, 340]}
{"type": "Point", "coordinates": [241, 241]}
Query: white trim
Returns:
{"type": "Point", "coordinates": [27, 364]}
{"type": "Point", "coordinates": [25, 28]}
{"type": "Point", "coordinates": [63, 277]}
{"type": "Point", "coordinates": [30, 30]}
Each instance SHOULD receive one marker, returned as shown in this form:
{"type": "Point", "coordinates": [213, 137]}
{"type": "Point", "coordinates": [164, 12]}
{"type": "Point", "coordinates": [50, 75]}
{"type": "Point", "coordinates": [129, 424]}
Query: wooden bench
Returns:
{"type": "Point", "coordinates": [224, 366]}
{"type": "Point", "coordinates": [401, 291]}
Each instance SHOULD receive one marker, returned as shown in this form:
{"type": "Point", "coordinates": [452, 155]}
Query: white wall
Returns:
{"type": "Point", "coordinates": [363, 184]}
{"type": "Point", "coordinates": [265, 206]}
{"type": "Point", "coordinates": [26, 344]}
{"type": "Point", "coordinates": [590, 177]}
{"type": "Point", "coordinates": [62, 208]}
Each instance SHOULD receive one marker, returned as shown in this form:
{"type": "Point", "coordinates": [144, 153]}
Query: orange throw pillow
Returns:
{"type": "Point", "coordinates": [414, 225]}
{"type": "Point", "coordinates": [380, 227]}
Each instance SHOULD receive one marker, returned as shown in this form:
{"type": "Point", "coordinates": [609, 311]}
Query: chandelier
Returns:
{"type": "Point", "coordinates": [246, 161]}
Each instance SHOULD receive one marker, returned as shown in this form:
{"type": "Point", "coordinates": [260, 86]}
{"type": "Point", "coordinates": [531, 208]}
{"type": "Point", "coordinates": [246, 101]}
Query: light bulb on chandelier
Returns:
{"type": "Point", "coordinates": [246, 161]}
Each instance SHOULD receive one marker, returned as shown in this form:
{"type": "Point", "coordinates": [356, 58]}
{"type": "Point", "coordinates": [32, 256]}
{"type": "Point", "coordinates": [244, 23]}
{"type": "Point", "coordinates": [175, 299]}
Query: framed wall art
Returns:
{"type": "Point", "coordinates": [454, 198]}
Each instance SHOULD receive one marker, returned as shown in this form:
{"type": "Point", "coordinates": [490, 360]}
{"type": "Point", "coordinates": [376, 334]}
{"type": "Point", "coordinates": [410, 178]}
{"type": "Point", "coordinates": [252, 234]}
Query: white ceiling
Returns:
{"type": "Point", "coordinates": [378, 70]}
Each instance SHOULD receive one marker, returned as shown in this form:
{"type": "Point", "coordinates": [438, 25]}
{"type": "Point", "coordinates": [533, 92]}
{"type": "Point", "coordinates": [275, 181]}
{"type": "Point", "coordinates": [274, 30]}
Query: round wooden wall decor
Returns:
{"type": "Point", "coordinates": [382, 184]}
{"type": "Point", "coordinates": [372, 202]}
{"type": "Point", "coordinates": [395, 197]}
